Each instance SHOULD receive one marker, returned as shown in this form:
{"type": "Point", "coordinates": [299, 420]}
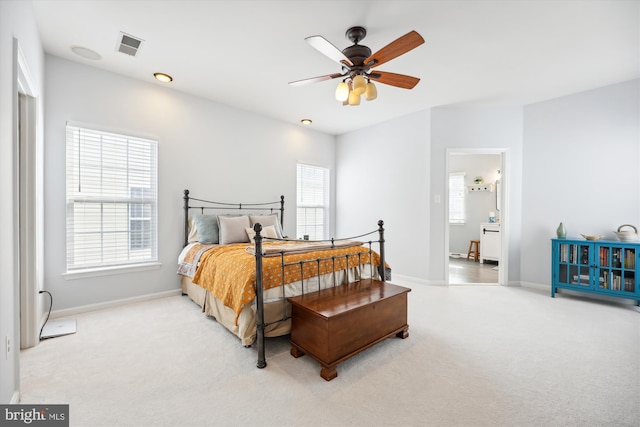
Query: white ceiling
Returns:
{"type": "Point", "coordinates": [243, 53]}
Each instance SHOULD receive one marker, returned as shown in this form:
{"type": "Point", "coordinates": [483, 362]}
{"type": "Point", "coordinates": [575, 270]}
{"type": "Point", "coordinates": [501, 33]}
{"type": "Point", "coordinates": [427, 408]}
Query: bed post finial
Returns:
{"type": "Point", "coordinates": [259, 297]}
{"type": "Point", "coordinates": [382, 267]}
{"type": "Point", "coordinates": [186, 217]}
{"type": "Point", "coordinates": [282, 212]}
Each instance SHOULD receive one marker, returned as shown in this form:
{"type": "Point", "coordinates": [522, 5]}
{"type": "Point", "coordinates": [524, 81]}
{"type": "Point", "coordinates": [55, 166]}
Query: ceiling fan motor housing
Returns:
{"type": "Point", "coordinates": [357, 54]}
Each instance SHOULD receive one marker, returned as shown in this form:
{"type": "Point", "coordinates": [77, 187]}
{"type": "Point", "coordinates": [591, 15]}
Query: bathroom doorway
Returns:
{"type": "Point", "coordinates": [476, 219]}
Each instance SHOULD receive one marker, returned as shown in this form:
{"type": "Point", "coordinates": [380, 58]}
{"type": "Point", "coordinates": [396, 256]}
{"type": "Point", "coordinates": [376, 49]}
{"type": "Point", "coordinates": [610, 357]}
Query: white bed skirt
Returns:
{"type": "Point", "coordinates": [273, 306]}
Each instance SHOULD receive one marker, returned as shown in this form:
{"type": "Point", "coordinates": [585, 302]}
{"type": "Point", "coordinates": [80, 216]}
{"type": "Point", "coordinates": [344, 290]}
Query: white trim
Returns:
{"type": "Point", "coordinates": [30, 197]}
{"type": "Point", "coordinates": [110, 304]}
{"type": "Point", "coordinates": [538, 286]}
{"type": "Point", "coordinates": [503, 273]}
{"type": "Point", "coordinates": [399, 279]}
{"type": "Point", "coordinates": [120, 131]}
{"type": "Point", "coordinates": [121, 269]}
{"type": "Point", "coordinates": [25, 81]}
{"type": "Point", "coordinates": [15, 398]}
{"type": "Point", "coordinates": [30, 265]}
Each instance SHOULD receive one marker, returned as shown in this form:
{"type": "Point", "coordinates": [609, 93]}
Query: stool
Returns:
{"type": "Point", "coordinates": [474, 249]}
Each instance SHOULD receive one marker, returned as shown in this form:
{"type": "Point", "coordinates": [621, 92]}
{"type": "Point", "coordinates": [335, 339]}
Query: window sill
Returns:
{"type": "Point", "coordinates": [97, 272]}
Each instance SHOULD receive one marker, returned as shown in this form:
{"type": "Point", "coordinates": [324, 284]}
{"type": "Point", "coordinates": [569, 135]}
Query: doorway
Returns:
{"type": "Point", "coordinates": [476, 219]}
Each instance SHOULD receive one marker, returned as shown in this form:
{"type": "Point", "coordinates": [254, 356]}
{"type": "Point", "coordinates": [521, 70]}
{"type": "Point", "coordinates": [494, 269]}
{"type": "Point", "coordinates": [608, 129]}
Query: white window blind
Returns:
{"type": "Point", "coordinates": [111, 199]}
{"type": "Point", "coordinates": [312, 202]}
{"type": "Point", "coordinates": [456, 198]}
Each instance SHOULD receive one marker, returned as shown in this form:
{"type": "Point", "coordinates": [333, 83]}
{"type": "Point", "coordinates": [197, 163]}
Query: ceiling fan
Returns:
{"type": "Point", "coordinates": [357, 64]}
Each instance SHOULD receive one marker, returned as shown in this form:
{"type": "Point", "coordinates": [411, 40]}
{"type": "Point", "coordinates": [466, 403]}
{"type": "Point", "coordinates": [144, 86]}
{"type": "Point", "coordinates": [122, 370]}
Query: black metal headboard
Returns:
{"type": "Point", "coordinates": [209, 204]}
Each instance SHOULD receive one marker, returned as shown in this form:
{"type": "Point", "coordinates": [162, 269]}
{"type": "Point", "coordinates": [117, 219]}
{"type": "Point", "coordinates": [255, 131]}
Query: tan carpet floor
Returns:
{"type": "Point", "coordinates": [476, 356]}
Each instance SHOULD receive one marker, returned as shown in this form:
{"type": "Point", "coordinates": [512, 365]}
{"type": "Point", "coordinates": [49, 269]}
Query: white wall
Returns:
{"type": "Point", "coordinates": [393, 170]}
{"type": "Point", "coordinates": [216, 152]}
{"type": "Point", "coordinates": [572, 159]}
{"type": "Point", "coordinates": [16, 21]}
{"type": "Point", "coordinates": [382, 173]}
{"type": "Point", "coordinates": [474, 128]}
{"type": "Point", "coordinates": [581, 162]}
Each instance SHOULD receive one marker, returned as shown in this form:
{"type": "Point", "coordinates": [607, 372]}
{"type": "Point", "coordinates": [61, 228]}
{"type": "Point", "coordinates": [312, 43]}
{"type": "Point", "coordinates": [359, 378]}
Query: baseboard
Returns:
{"type": "Point", "coordinates": [399, 279]}
{"type": "Point", "coordinates": [15, 399]}
{"type": "Point", "coordinates": [109, 304]}
{"type": "Point", "coordinates": [538, 286]}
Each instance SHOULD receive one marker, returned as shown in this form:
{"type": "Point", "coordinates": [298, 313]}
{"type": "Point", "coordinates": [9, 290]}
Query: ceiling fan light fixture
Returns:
{"type": "Point", "coordinates": [359, 84]}
{"type": "Point", "coordinates": [370, 92]}
{"type": "Point", "coordinates": [354, 98]}
{"type": "Point", "coordinates": [342, 91]}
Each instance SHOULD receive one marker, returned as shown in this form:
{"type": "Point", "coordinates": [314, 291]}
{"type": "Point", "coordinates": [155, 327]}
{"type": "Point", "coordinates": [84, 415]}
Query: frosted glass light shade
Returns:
{"type": "Point", "coordinates": [370, 92]}
{"type": "Point", "coordinates": [354, 98]}
{"type": "Point", "coordinates": [359, 84]}
{"type": "Point", "coordinates": [342, 92]}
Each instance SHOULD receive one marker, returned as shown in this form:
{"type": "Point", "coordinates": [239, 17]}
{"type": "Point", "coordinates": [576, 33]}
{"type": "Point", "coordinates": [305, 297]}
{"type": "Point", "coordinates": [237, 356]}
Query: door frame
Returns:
{"type": "Point", "coordinates": [505, 173]}
{"type": "Point", "coordinates": [30, 196]}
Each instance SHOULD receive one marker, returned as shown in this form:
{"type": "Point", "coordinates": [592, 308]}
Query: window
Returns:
{"type": "Point", "coordinates": [312, 202]}
{"type": "Point", "coordinates": [111, 200]}
{"type": "Point", "coordinates": [140, 220]}
{"type": "Point", "coordinates": [456, 198]}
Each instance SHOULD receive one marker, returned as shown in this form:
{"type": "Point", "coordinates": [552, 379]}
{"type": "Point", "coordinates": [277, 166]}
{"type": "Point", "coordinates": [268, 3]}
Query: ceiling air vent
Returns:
{"type": "Point", "coordinates": [129, 44]}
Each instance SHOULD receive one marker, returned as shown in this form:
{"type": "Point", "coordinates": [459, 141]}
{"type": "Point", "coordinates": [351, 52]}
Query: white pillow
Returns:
{"type": "Point", "coordinates": [232, 229]}
{"type": "Point", "coordinates": [193, 231]}
{"type": "Point", "coordinates": [265, 220]}
{"type": "Point", "coordinates": [268, 231]}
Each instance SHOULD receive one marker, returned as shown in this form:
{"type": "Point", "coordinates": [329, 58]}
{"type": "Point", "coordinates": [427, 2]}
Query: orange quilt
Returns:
{"type": "Point", "coordinates": [229, 271]}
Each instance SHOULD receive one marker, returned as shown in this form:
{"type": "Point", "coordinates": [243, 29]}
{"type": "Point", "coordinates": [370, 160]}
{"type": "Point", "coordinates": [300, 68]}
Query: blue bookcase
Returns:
{"type": "Point", "coordinates": [601, 267]}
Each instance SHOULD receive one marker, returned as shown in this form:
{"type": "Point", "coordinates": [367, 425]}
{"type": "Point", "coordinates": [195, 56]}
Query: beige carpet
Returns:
{"type": "Point", "coordinates": [476, 356]}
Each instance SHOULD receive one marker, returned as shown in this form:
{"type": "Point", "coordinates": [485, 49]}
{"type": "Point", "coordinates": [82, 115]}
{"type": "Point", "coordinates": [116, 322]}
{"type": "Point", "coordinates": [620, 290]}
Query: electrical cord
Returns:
{"type": "Point", "coordinates": [48, 314]}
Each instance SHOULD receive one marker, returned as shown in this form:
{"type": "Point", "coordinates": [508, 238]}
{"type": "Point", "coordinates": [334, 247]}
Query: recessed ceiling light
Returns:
{"type": "Point", "coordinates": [86, 53]}
{"type": "Point", "coordinates": [306, 121]}
{"type": "Point", "coordinates": [164, 78]}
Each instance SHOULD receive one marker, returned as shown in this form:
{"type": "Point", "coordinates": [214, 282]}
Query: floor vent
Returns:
{"type": "Point", "coordinates": [128, 44]}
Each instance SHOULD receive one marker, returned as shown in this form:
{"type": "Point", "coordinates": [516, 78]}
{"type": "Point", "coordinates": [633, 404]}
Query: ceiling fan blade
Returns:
{"type": "Point", "coordinates": [400, 46]}
{"type": "Point", "coordinates": [317, 79]}
{"type": "Point", "coordinates": [393, 79]}
{"type": "Point", "coordinates": [326, 48]}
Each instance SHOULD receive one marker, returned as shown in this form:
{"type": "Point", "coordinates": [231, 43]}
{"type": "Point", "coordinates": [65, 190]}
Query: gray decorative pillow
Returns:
{"type": "Point", "coordinates": [232, 229]}
{"type": "Point", "coordinates": [267, 220]}
{"type": "Point", "coordinates": [207, 227]}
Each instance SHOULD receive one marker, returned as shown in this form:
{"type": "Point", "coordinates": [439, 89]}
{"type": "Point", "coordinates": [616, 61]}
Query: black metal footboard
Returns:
{"type": "Point", "coordinates": [259, 255]}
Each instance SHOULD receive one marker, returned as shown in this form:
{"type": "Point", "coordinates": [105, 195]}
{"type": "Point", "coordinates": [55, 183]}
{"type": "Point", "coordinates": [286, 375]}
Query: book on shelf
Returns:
{"type": "Point", "coordinates": [629, 285]}
{"type": "Point", "coordinates": [630, 259]}
{"type": "Point", "coordinates": [604, 256]}
{"type": "Point", "coordinates": [564, 253]}
{"type": "Point", "coordinates": [582, 279]}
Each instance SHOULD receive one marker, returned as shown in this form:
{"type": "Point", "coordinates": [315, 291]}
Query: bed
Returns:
{"type": "Point", "coordinates": [240, 268]}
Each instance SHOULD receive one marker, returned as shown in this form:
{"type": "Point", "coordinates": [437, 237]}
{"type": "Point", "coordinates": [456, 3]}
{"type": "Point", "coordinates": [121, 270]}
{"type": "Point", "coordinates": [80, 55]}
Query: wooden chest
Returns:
{"type": "Point", "coordinates": [335, 324]}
